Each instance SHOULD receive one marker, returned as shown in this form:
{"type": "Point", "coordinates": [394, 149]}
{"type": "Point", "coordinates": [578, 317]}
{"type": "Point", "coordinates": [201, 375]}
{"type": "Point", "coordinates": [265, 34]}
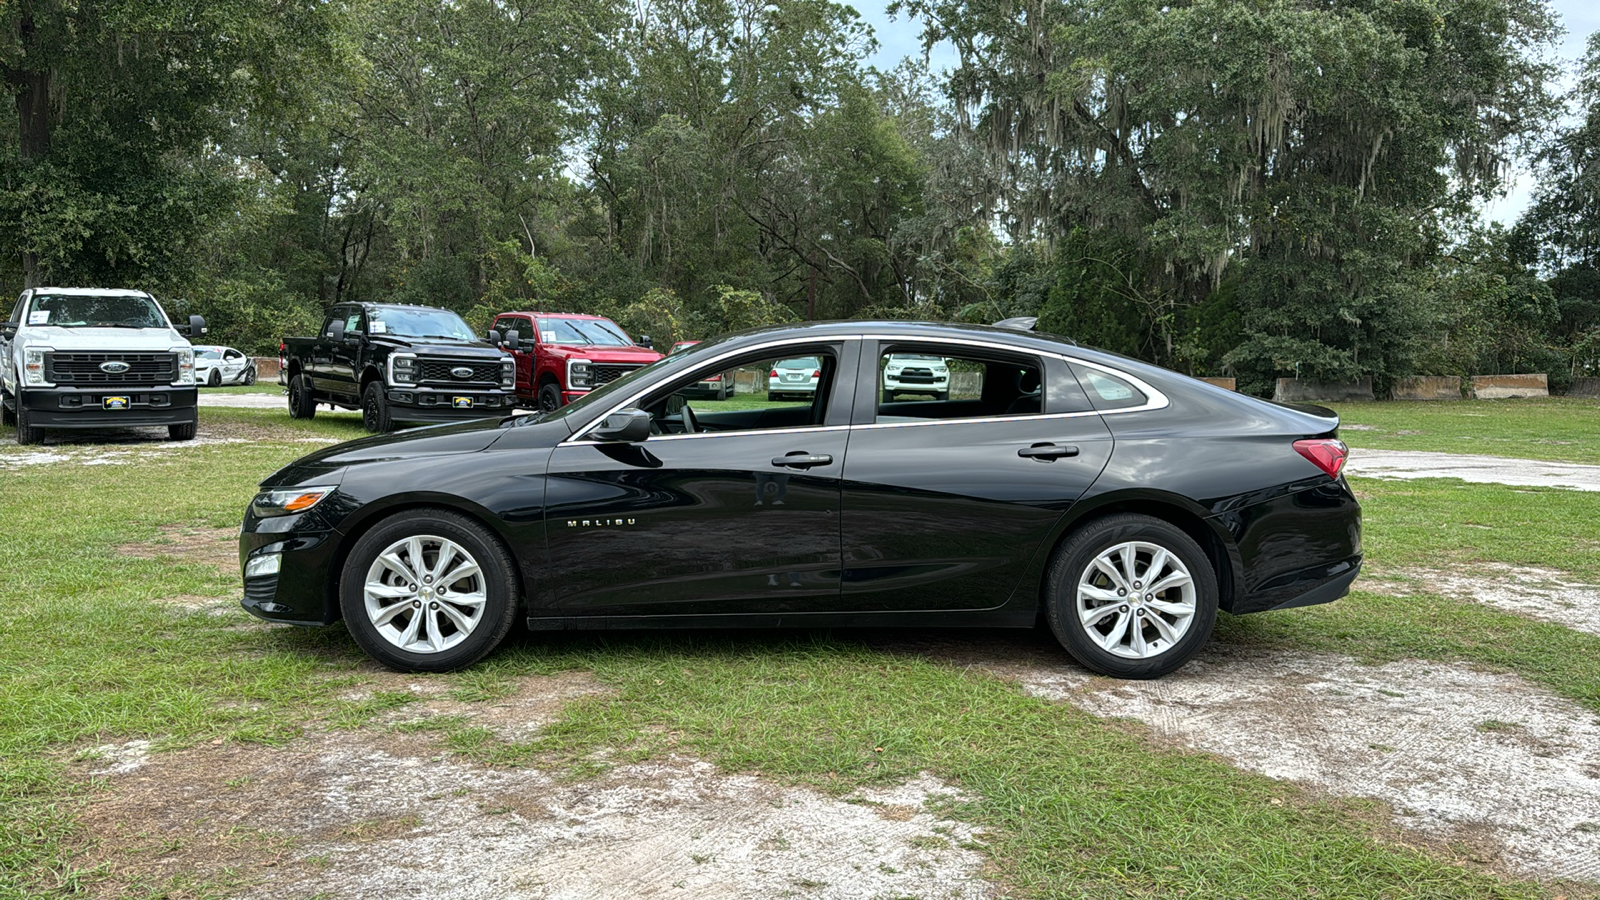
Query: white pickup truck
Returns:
{"type": "Point", "coordinates": [94, 358]}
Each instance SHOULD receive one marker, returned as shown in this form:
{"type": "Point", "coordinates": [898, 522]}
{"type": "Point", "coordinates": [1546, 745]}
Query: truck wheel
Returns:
{"type": "Point", "coordinates": [549, 397]}
{"type": "Point", "coordinates": [8, 415]}
{"type": "Point", "coordinates": [183, 431]}
{"type": "Point", "coordinates": [428, 590]}
{"type": "Point", "coordinates": [26, 432]}
{"type": "Point", "coordinates": [302, 404]}
{"type": "Point", "coordinates": [375, 409]}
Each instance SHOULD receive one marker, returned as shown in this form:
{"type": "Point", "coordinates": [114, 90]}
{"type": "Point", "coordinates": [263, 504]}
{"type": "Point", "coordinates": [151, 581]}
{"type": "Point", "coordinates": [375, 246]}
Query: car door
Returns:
{"type": "Point", "coordinates": [232, 365]}
{"type": "Point", "coordinates": [341, 372]}
{"type": "Point", "coordinates": [739, 516]}
{"type": "Point", "coordinates": [946, 501]}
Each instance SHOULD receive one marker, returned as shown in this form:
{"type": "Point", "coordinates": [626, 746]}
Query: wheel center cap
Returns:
{"type": "Point", "coordinates": [427, 593]}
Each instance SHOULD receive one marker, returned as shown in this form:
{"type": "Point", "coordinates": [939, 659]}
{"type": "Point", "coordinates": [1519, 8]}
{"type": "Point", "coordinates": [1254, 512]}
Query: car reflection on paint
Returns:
{"type": "Point", "coordinates": [1122, 504]}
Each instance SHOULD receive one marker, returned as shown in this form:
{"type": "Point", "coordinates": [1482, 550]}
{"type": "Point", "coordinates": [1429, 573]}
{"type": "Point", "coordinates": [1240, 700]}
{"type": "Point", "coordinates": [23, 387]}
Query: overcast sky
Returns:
{"type": "Point", "coordinates": [898, 38]}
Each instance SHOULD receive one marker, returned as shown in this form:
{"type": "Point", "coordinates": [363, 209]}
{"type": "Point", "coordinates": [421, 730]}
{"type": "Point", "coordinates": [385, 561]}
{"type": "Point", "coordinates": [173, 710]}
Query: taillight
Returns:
{"type": "Point", "coordinates": [817, 374]}
{"type": "Point", "coordinates": [774, 374]}
{"type": "Point", "coordinates": [1326, 454]}
{"type": "Point", "coordinates": [283, 355]}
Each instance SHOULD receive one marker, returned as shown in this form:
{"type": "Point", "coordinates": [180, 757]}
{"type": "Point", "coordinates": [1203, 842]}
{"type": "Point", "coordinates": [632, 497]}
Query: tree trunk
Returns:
{"type": "Point", "coordinates": [32, 95]}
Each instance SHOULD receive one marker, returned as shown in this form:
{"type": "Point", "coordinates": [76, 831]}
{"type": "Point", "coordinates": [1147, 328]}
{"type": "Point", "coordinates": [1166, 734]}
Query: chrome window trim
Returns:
{"type": "Point", "coordinates": [806, 429]}
{"type": "Point", "coordinates": [1154, 398]}
{"type": "Point", "coordinates": [579, 433]}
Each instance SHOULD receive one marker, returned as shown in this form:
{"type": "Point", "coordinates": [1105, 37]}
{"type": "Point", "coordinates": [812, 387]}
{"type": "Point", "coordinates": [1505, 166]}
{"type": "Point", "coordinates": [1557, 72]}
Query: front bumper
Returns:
{"type": "Point", "coordinates": [407, 404]}
{"type": "Point", "coordinates": [108, 407]}
{"type": "Point", "coordinates": [303, 591]}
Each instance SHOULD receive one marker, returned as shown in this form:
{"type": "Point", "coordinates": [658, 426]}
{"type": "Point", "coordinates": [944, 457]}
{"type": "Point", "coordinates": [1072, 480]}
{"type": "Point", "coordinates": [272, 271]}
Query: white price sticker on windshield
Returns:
{"type": "Point", "coordinates": [39, 317]}
{"type": "Point", "coordinates": [377, 327]}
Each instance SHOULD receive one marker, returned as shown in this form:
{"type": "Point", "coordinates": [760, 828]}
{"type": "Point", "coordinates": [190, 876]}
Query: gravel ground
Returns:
{"type": "Point", "coordinates": [1482, 469]}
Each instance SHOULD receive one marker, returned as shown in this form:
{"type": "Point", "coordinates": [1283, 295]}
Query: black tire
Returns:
{"type": "Point", "coordinates": [495, 582]}
{"type": "Point", "coordinates": [215, 380]}
{"type": "Point", "coordinates": [1074, 563]}
{"type": "Point", "coordinates": [250, 375]}
{"type": "Point", "coordinates": [888, 396]}
{"type": "Point", "coordinates": [302, 402]}
{"type": "Point", "coordinates": [183, 431]}
{"type": "Point", "coordinates": [8, 414]}
{"type": "Point", "coordinates": [27, 432]}
{"type": "Point", "coordinates": [549, 397]}
{"type": "Point", "coordinates": [941, 395]}
{"type": "Point", "coordinates": [375, 409]}
{"type": "Point", "coordinates": [724, 392]}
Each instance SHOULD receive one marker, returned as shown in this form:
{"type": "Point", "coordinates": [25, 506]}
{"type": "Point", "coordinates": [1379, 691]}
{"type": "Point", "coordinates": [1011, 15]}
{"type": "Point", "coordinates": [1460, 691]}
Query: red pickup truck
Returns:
{"type": "Point", "coordinates": [562, 356]}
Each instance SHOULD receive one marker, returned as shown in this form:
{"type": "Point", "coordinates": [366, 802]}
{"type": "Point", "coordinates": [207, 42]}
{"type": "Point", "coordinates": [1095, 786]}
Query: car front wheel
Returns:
{"type": "Point", "coordinates": [549, 397]}
{"type": "Point", "coordinates": [1131, 596]}
{"type": "Point", "coordinates": [375, 409]}
{"type": "Point", "coordinates": [428, 591]}
{"type": "Point", "coordinates": [215, 380]}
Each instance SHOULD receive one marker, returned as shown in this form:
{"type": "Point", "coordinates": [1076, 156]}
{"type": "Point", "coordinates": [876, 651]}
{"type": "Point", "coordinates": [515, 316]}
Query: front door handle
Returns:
{"type": "Point", "coordinates": [1047, 451]}
{"type": "Point", "coordinates": [803, 460]}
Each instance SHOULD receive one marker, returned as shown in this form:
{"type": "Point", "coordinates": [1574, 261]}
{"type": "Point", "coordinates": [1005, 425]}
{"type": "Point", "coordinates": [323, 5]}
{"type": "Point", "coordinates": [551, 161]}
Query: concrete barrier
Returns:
{"type": "Point", "coordinates": [1588, 388]}
{"type": "Point", "coordinates": [1506, 387]}
{"type": "Point", "coordinates": [1224, 383]}
{"type": "Point", "coordinates": [1428, 387]}
{"type": "Point", "coordinates": [1297, 390]}
{"type": "Point", "coordinates": [266, 368]}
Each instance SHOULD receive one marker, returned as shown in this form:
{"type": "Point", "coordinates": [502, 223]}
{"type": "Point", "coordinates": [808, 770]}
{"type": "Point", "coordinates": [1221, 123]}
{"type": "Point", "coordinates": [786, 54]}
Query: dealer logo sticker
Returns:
{"type": "Point", "coordinates": [114, 367]}
{"type": "Point", "coordinates": [461, 402]}
{"type": "Point", "coordinates": [116, 403]}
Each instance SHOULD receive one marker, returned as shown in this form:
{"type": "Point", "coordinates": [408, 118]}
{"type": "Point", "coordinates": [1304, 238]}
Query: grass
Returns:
{"type": "Point", "coordinates": [1072, 806]}
{"type": "Point", "coordinates": [1559, 429]}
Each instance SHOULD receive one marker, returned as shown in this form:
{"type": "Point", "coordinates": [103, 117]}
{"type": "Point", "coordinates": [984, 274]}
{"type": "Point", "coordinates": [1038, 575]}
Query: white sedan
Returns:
{"type": "Point", "coordinates": [214, 366]}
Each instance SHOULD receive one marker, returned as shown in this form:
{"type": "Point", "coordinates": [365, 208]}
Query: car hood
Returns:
{"type": "Point", "coordinates": [604, 354]}
{"type": "Point", "coordinates": [435, 440]}
{"type": "Point", "coordinates": [463, 349]}
{"type": "Point", "coordinates": [108, 339]}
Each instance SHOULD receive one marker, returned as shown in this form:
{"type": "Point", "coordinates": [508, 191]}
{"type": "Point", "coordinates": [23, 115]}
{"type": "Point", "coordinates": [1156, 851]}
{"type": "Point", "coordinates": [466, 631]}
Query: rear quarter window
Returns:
{"type": "Point", "coordinates": [1107, 391]}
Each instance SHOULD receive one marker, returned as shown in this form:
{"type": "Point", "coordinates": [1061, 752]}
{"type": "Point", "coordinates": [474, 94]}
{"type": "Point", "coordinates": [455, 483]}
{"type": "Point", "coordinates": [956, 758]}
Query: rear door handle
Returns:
{"type": "Point", "coordinates": [803, 460]}
{"type": "Point", "coordinates": [1047, 451]}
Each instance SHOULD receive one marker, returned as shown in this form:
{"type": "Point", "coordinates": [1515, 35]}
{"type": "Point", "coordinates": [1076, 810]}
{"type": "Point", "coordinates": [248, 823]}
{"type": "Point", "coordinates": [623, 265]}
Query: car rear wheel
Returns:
{"type": "Point", "coordinates": [375, 409]}
{"type": "Point", "coordinates": [250, 375]}
{"type": "Point", "coordinates": [428, 591]}
{"type": "Point", "coordinates": [1131, 596]}
{"type": "Point", "coordinates": [302, 404]}
{"type": "Point", "coordinates": [549, 397]}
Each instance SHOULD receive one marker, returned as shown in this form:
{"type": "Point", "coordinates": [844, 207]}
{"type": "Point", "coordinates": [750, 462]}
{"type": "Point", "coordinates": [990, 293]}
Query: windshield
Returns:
{"type": "Point", "coordinates": [419, 323]}
{"type": "Point", "coordinates": [915, 358]}
{"type": "Point", "coordinates": [809, 362]}
{"type": "Point", "coordinates": [97, 311]}
{"type": "Point", "coordinates": [605, 392]}
{"type": "Point", "coordinates": [208, 354]}
{"type": "Point", "coordinates": [598, 332]}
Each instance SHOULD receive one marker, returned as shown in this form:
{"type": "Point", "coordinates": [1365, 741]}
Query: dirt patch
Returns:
{"type": "Point", "coordinates": [217, 547]}
{"type": "Point", "coordinates": [360, 814]}
{"type": "Point", "coordinates": [1543, 594]}
{"type": "Point", "coordinates": [1461, 755]}
{"type": "Point", "coordinates": [1480, 469]}
{"type": "Point", "coordinates": [528, 704]}
{"type": "Point", "coordinates": [131, 446]}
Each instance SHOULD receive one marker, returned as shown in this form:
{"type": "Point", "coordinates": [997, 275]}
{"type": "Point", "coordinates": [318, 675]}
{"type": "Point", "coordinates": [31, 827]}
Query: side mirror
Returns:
{"type": "Point", "coordinates": [8, 330]}
{"type": "Point", "coordinates": [197, 326]}
{"type": "Point", "coordinates": [644, 341]}
{"type": "Point", "coordinates": [336, 331]}
{"type": "Point", "coordinates": [513, 340]}
{"type": "Point", "coordinates": [628, 426]}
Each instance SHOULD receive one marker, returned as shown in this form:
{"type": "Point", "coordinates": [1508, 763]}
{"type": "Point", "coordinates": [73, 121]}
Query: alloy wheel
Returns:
{"type": "Point", "coordinates": [424, 594]}
{"type": "Point", "coordinates": [1135, 600]}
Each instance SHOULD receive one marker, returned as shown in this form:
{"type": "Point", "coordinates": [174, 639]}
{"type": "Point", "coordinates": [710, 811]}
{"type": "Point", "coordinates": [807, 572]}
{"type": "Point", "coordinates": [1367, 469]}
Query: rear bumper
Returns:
{"type": "Point", "coordinates": [1296, 549]}
{"type": "Point", "coordinates": [129, 406]}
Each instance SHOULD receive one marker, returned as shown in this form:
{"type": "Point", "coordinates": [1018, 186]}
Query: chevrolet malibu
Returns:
{"type": "Point", "coordinates": [1121, 504]}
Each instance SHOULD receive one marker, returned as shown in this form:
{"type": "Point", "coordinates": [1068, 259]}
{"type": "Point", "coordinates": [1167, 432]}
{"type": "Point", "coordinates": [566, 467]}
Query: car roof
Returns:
{"type": "Point", "coordinates": [554, 315]}
{"type": "Point", "coordinates": [91, 292]}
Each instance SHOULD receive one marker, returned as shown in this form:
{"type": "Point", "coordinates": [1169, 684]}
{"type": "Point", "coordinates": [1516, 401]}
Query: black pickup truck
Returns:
{"type": "Point", "coordinates": [399, 363]}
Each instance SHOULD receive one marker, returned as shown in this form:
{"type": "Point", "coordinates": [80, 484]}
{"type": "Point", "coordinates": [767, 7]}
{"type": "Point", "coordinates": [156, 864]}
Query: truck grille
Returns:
{"type": "Point", "coordinates": [84, 368]}
{"type": "Point", "coordinates": [605, 373]}
{"type": "Point", "coordinates": [437, 371]}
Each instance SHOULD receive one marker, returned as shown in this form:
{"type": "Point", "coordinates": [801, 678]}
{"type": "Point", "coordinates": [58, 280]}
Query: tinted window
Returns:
{"type": "Point", "coordinates": [1107, 391]}
{"type": "Point", "coordinates": [955, 384]}
{"type": "Point", "coordinates": [420, 322]}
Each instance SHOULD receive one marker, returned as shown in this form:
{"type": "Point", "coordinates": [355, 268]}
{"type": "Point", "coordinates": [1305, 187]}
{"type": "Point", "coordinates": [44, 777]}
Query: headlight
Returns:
{"type": "Point", "coordinates": [185, 365]}
{"type": "Point", "coordinates": [579, 374]}
{"type": "Point", "coordinates": [508, 373]}
{"type": "Point", "coordinates": [402, 369]}
{"type": "Point", "coordinates": [33, 366]}
{"type": "Point", "coordinates": [286, 502]}
{"type": "Point", "coordinates": [894, 370]}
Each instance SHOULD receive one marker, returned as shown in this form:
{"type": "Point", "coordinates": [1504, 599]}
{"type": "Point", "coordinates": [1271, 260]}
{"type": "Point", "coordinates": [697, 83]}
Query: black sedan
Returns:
{"type": "Point", "coordinates": [1120, 503]}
